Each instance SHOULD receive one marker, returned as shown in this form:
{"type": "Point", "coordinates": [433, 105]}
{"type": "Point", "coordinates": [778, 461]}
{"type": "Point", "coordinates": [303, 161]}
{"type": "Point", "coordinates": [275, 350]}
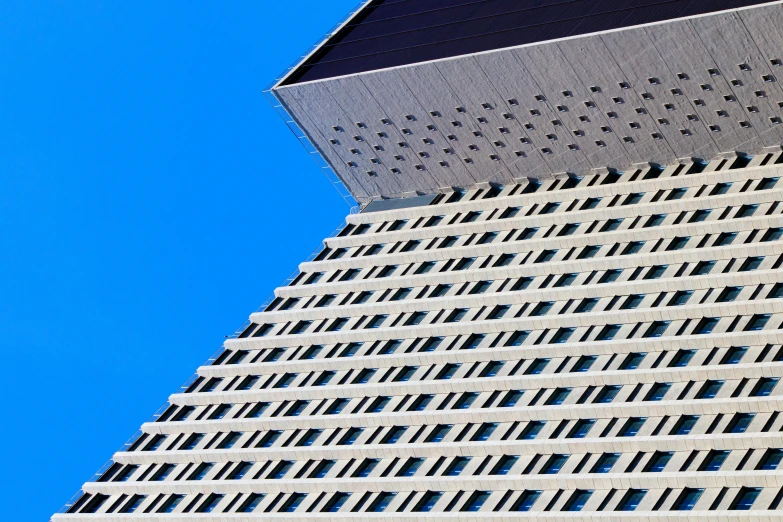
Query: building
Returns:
{"type": "Point", "coordinates": [562, 292]}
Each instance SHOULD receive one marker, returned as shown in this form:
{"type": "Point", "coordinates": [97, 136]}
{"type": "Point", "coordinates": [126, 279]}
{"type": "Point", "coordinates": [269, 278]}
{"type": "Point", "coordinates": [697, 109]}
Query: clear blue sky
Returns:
{"type": "Point", "coordinates": [150, 200]}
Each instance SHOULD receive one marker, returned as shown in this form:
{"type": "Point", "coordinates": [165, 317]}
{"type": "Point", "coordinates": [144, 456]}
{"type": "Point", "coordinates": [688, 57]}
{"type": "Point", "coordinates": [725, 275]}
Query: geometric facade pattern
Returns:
{"type": "Point", "coordinates": [606, 347]}
{"type": "Point", "coordinates": [695, 87]}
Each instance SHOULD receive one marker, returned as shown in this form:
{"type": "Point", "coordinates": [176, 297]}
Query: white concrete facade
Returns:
{"type": "Point", "coordinates": [604, 349]}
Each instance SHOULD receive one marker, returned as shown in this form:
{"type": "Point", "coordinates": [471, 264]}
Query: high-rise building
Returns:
{"type": "Point", "coordinates": [561, 291]}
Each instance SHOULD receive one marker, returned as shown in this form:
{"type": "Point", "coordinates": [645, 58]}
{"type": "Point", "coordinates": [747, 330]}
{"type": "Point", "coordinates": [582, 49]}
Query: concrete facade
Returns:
{"type": "Point", "coordinates": [681, 89]}
{"type": "Point", "coordinates": [612, 347]}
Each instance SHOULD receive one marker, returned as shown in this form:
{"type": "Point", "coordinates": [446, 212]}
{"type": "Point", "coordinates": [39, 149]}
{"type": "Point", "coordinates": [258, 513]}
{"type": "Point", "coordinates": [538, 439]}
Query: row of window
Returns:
{"type": "Point", "coordinates": [685, 499]}
{"type": "Point", "coordinates": [572, 363]}
{"type": "Point", "coordinates": [602, 428]}
{"type": "Point", "coordinates": [722, 239]}
{"type": "Point", "coordinates": [491, 465]}
{"type": "Point", "coordinates": [568, 229]}
{"type": "Point", "coordinates": [544, 308]}
{"type": "Point", "coordinates": [472, 288]}
{"type": "Point", "coordinates": [551, 207]}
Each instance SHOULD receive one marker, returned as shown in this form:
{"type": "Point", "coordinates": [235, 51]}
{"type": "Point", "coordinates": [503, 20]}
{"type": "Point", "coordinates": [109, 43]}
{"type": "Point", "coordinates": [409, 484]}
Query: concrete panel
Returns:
{"type": "Point", "coordinates": [391, 92]}
{"type": "Point", "coordinates": [356, 101]}
{"type": "Point", "coordinates": [635, 96]}
{"type": "Point", "coordinates": [693, 70]}
{"type": "Point", "coordinates": [730, 45]}
{"type": "Point", "coordinates": [664, 112]}
{"type": "Point", "coordinates": [566, 95]}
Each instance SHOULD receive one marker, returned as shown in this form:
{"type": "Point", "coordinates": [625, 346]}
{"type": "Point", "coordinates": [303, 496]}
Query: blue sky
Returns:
{"type": "Point", "coordinates": [150, 199]}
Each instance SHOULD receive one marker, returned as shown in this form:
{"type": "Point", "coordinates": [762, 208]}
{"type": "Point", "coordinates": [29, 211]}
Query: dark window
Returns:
{"type": "Point", "coordinates": [728, 294]}
{"type": "Point", "coordinates": [714, 460]}
{"type": "Point", "coordinates": [577, 500]}
{"type": "Point", "coordinates": [739, 423]}
{"type": "Point", "coordinates": [438, 433]}
{"type": "Point", "coordinates": [764, 387]}
{"type": "Point", "coordinates": [605, 463]}
{"type": "Point", "coordinates": [702, 268]}
{"type": "Point", "coordinates": [734, 355]}
{"type": "Point", "coordinates": [682, 358]}
{"type": "Point", "coordinates": [554, 464]}
{"type": "Point", "coordinates": [607, 394]}
{"type": "Point", "coordinates": [770, 460]}
{"type": "Point", "coordinates": [631, 500]}
{"type": "Point", "coordinates": [525, 501]}
{"type": "Point", "coordinates": [657, 391]}
{"type": "Point", "coordinates": [427, 501]}
{"type": "Point", "coordinates": [632, 427]}
{"type": "Point", "coordinates": [632, 361]}
{"type": "Point", "coordinates": [757, 322]}
{"type": "Point", "coordinates": [531, 430]}
{"type": "Point", "coordinates": [687, 499]}
{"type": "Point", "coordinates": [581, 429]}
{"type": "Point", "coordinates": [658, 461]}
{"type": "Point", "coordinates": [684, 425]}
{"type": "Point", "coordinates": [456, 466]}
{"type": "Point", "coordinates": [709, 389]}
{"type": "Point", "coordinates": [744, 499]}
{"type": "Point", "coordinates": [706, 325]}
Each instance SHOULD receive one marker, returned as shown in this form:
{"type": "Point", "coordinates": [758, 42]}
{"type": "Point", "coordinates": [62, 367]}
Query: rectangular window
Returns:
{"type": "Point", "coordinates": [527, 234]}
{"type": "Point", "coordinates": [554, 464]}
{"type": "Point", "coordinates": [517, 338]}
{"type": "Point", "coordinates": [658, 461]}
{"type": "Point", "coordinates": [415, 318]}
{"type": "Point", "coordinates": [607, 394]}
{"type": "Point", "coordinates": [456, 466]}
{"type": "Point", "coordinates": [531, 430]}
{"type": "Point", "coordinates": [427, 502]}
{"type": "Point", "coordinates": [657, 391]}
{"type": "Point", "coordinates": [545, 255]}
{"type": "Point", "coordinates": [212, 500]}
{"type": "Point", "coordinates": [588, 252]}
{"type": "Point", "coordinates": [350, 436]}
{"type": "Point", "coordinates": [770, 460]}
{"type": "Point", "coordinates": [714, 460]}
{"type": "Point", "coordinates": [632, 427]}
{"type": "Point", "coordinates": [745, 499]}
{"type": "Point", "coordinates": [757, 322]}
{"type": "Point", "coordinates": [656, 329]}
{"type": "Point", "coordinates": [725, 239]}
{"type": "Point", "coordinates": [250, 503]}
{"type": "Point", "coordinates": [682, 358]}
{"type": "Point", "coordinates": [687, 499]}
{"type": "Point", "coordinates": [709, 389]}
{"type": "Point", "coordinates": [526, 500]}
{"type": "Point", "coordinates": [684, 425]}
{"type": "Point", "coordinates": [292, 502]}
{"type": "Point", "coordinates": [577, 500]}
{"type": "Point", "coordinates": [706, 325]}
{"type": "Point", "coordinates": [438, 433]}
{"type": "Point", "coordinates": [581, 429]}
{"type": "Point", "coordinates": [631, 500]}
{"type": "Point", "coordinates": [170, 503]}
{"type": "Point", "coordinates": [739, 423]}
{"type": "Point", "coordinates": [562, 335]}
{"type": "Point", "coordinates": [300, 327]}
{"type": "Point", "coordinates": [381, 502]}
{"type": "Point", "coordinates": [475, 501]}
{"type": "Point", "coordinates": [632, 361]}
{"type": "Point", "coordinates": [764, 387]}
{"type": "Point", "coordinates": [376, 321]}
{"type": "Point", "coordinates": [605, 463]}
